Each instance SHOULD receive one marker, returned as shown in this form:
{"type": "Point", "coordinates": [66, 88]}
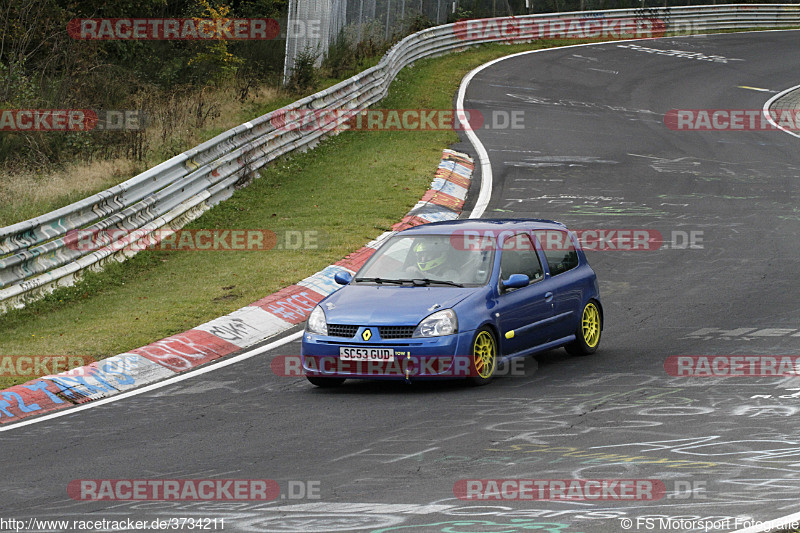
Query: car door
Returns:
{"type": "Point", "coordinates": [562, 261]}
{"type": "Point", "coordinates": [522, 314]}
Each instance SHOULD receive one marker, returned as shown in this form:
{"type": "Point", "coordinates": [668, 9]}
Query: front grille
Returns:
{"type": "Point", "coordinates": [342, 330]}
{"type": "Point", "coordinates": [396, 332]}
{"type": "Point", "coordinates": [386, 332]}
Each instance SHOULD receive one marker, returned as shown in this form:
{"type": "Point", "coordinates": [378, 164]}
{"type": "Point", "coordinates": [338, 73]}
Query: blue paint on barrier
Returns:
{"type": "Point", "coordinates": [42, 386]}
{"type": "Point", "coordinates": [9, 395]}
{"type": "Point", "coordinates": [79, 387]}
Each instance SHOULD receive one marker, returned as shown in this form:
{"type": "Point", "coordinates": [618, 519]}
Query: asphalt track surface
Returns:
{"type": "Point", "coordinates": [594, 153]}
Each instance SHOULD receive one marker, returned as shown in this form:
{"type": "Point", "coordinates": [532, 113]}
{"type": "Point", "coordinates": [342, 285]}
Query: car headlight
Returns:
{"type": "Point", "coordinates": [439, 323]}
{"type": "Point", "coordinates": [316, 322]}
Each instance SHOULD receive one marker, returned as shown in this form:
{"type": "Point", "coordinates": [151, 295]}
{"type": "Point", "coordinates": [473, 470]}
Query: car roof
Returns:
{"type": "Point", "coordinates": [494, 224]}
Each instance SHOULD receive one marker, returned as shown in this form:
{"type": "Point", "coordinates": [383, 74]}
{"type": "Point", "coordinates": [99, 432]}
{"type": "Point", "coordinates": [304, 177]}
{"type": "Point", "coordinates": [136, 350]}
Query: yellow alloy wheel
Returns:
{"type": "Point", "coordinates": [484, 352]}
{"type": "Point", "coordinates": [590, 325]}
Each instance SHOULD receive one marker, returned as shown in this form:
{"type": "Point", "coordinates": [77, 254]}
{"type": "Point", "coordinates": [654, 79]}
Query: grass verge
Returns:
{"type": "Point", "coordinates": [176, 124]}
{"type": "Point", "coordinates": [351, 188]}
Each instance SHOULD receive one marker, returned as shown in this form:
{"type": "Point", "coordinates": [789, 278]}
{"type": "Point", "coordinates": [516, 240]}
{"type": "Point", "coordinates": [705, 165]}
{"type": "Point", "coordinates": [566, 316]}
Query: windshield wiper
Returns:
{"type": "Point", "coordinates": [415, 281]}
{"type": "Point", "coordinates": [427, 281]}
{"type": "Point", "coordinates": [383, 280]}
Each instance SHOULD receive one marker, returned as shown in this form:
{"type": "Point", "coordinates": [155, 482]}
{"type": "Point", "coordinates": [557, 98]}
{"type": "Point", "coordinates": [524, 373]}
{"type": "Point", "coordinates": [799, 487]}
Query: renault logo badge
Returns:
{"type": "Point", "coordinates": [367, 335]}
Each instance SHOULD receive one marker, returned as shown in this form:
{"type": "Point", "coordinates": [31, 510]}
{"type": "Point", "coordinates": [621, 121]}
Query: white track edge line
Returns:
{"type": "Point", "coordinates": [769, 102]}
{"type": "Point", "coordinates": [485, 193]}
{"type": "Point", "coordinates": [153, 386]}
{"type": "Point", "coordinates": [482, 202]}
{"type": "Point", "coordinates": [783, 521]}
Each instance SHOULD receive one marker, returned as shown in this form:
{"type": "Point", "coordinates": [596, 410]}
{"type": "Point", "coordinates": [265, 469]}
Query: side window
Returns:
{"type": "Point", "coordinates": [558, 249]}
{"type": "Point", "coordinates": [519, 257]}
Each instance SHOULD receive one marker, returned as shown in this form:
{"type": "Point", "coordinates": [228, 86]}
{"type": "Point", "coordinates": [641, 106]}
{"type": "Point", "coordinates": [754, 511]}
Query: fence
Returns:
{"type": "Point", "coordinates": [36, 255]}
{"type": "Point", "coordinates": [313, 24]}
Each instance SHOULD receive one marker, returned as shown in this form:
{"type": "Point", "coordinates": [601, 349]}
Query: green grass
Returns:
{"type": "Point", "coordinates": [351, 188]}
{"type": "Point", "coordinates": [41, 192]}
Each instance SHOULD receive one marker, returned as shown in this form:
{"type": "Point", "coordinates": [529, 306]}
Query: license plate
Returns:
{"type": "Point", "coordinates": [366, 354]}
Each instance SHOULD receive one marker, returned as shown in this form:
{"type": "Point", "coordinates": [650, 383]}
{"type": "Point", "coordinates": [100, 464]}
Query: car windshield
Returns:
{"type": "Point", "coordinates": [430, 260]}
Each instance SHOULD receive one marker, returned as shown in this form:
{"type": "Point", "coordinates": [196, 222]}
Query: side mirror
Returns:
{"type": "Point", "coordinates": [342, 277]}
{"type": "Point", "coordinates": [515, 281]}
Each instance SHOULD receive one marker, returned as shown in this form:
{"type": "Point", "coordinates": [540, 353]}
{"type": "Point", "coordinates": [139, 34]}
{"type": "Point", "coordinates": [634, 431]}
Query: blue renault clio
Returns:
{"type": "Point", "coordinates": [455, 300]}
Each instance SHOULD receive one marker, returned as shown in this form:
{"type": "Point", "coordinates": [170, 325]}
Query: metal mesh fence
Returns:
{"type": "Point", "coordinates": [313, 25]}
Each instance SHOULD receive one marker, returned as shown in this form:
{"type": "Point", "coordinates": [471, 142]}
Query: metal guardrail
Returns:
{"type": "Point", "coordinates": [39, 254]}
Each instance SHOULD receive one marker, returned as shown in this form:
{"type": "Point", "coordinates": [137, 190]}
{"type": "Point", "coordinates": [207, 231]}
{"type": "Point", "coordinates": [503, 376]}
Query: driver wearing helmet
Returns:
{"type": "Point", "coordinates": [430, 260]}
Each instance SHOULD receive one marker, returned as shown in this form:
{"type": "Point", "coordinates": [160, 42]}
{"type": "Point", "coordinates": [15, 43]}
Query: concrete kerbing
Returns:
{"type": "Point", "coordinates": [787, 99]}
{"type": "Point", "coordinates": [231, 333]}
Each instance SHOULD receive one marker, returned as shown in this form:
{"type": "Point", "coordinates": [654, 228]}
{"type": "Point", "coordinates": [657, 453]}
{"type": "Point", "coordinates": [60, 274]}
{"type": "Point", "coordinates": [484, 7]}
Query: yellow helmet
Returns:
{"type": "Point", "coordinates": [429, 255]}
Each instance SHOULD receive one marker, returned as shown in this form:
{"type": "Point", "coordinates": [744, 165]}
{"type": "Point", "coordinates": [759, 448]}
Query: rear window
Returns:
{"type": "Point", "coordinates": [558, 249]}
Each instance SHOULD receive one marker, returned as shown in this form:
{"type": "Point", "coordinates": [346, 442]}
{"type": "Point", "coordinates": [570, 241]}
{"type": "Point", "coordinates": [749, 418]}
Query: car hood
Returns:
{"type": "Point", "coordinates": [389, 305]}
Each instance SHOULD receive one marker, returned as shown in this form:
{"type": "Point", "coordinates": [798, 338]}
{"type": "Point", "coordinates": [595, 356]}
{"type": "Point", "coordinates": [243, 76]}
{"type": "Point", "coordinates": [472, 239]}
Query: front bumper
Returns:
{"type": "Point", "coordinates": [443, 357]}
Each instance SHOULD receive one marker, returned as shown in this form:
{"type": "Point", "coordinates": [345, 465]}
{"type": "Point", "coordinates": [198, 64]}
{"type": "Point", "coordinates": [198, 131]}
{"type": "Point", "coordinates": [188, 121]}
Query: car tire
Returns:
{"type": "Point", "coordinates": [325, 383]}
{"type": "Point", "coordinates": [483, 357]}
{"type": "Point", "coordinates": [587, 335]}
